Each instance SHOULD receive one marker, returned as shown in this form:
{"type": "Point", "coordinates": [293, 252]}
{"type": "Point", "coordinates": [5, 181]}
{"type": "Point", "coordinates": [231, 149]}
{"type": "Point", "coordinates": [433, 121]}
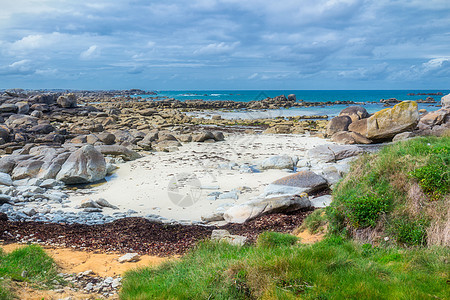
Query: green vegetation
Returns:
{"type": "Point", "coordinates": [315, 221]}
{"type": "Point", "coordinates": [332, 269]}
{"type": "Point", "coordinates": [275, 239]}
{"type": "Point", "coordinates": [30, 264]}
{"type": "Point", "coordinates": [401, 192]}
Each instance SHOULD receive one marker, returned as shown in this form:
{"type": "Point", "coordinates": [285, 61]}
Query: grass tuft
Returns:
{"type": "Point", "coordinates": [29, 264]}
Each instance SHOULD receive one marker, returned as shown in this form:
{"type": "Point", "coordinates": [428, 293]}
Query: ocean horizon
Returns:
{"type": "Point", "coordinates": [369, 99]}
{"type": "Point", "coordinates": [305, 95]}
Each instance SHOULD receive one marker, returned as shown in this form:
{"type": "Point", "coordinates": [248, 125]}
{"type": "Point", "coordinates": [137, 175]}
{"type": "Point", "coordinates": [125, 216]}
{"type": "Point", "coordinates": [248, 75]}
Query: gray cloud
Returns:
{"type": "Point", "coordinates": [227, 43]}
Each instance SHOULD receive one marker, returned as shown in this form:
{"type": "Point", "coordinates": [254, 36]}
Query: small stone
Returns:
{"type": "Point", "coordinates": [129, 257]}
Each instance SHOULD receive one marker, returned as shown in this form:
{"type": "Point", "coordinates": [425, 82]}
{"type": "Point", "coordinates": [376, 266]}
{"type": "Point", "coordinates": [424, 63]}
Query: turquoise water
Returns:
{"type": "Point", "coordinates": [310, 96]}
{"type": "Point", "coordinates": [364, 97]}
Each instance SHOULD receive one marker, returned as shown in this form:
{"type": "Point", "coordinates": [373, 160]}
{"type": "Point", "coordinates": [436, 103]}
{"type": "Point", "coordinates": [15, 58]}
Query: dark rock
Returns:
{"type": "Point", "coordinates": [292, 97]}
{"type": "Point", "coordinates": [355, 113]}
{"type": "Point", "coordinates": [107, 138]}
{"type": "Point", "coordinates": [67, 101]}
{"type": "Point", "coordinates": [3, 217]}
{"type": "Point", "coordinates": [337, 124]}
{"type": "Point", "coordinates": [42, 129]}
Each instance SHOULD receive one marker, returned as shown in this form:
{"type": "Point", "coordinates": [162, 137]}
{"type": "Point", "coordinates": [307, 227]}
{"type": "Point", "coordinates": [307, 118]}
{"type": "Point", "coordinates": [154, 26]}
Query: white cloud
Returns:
{"type": "Point", "coordinates": [217, 48]}
{"type": "Point", "coordinates": [21, 67]}
{"type": "Point", "coordinates": [435, 63]}
{"type": "Point", "coordinates": [92, 52]}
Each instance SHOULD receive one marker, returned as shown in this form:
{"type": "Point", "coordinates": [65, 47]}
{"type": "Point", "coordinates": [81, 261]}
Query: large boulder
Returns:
{"type": "Point", "coordinates": [83, 166]}
{"type": "Point", "coordinates": [445, 101]}
{"type": "Point", "coordinates": [67, 101]}
{"type": "Point", "coordinates": [272, 204]}
{"type": "Point", "coordinates": [386, 123]}
{"type": "Point", "coordinates": [277, 162]}
{"type": "Point", "coordinates": [355, 113]}
{"type": "Point", "coordinates": [333, 153]}
{"type": "Point", "coordinates": [338, 124]}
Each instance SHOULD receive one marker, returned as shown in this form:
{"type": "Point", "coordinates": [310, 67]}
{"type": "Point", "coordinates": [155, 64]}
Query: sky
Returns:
{"type": "Point", "coordinates": [225, 44]}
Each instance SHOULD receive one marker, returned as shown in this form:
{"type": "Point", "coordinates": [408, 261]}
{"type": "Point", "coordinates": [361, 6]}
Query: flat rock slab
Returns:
{"type": "Point", "coordinates": [332, 153]}
{"type": "Point", "coordinates": [303, 179]}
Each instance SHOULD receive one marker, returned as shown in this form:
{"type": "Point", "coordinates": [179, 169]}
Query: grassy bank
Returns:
{"type": "Point", "coordinates": [401, 194]}
{"type": "Point", "coordinates": [275, 269]}
{"type": "Point", "coordinates": [28, 264]}
{"type": "Point", "coordinates": [397, 200]}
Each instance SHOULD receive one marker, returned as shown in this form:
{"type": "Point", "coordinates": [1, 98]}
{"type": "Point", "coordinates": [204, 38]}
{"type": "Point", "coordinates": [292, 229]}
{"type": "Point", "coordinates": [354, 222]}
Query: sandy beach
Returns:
{"type": "Point", "coordinates": [146, 185]}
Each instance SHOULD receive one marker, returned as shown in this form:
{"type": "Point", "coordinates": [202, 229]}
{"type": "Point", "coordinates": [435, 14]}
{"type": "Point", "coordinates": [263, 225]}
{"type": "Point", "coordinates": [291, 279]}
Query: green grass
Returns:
{"type": "Point", "coordinates": [315, 221]}
{"type": "Point", "coordinates": [29, 264]}
{"type": "Point", "coordinates": [398, 192]}
{"type": "Point", "coordinates": [332, 269]}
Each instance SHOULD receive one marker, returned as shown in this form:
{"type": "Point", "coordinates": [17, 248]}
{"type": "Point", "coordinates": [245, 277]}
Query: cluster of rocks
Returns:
{"type": "Point", "coordinates": [355, 126]}
{"type": "Point", "coordinates": [392, 101]}
{"type": "Point", "coordinates": [88, 283]}
{"type": "Point", "coordinates": [198, 104]}
{"type": "Point", "coordinates": [319, 170]}
{"type": "Point", "coordinates": [56, 119]}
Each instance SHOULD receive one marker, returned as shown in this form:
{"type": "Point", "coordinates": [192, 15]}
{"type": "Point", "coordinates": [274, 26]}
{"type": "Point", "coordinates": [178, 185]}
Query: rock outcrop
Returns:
{"type": "Point", "coordinates": [83, 166]}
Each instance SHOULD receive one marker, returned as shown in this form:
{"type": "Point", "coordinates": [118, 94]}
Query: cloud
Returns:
{"type": "Point", "coordinates": [324, 41]}
{"type": "Point", "coordinates": [217, 48]}
{"type": "Point", "coordinates": [92, 52]}
{"type": "Point", "coordinates": [21, 67]}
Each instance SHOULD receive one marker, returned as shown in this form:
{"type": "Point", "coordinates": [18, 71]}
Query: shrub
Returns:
{"type": "Point", "coordinates": [409, 231]}
{"type": "Point", "coordinates": [364, 211]}
{"type": "Point", "coordinates": [275, 239]}
{"type": "Point", "coordinates": [434, 178]}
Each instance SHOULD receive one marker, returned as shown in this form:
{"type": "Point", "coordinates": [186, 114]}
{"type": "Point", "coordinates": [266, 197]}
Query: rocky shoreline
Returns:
{"type": "Point", "coordinates": [54, 141]}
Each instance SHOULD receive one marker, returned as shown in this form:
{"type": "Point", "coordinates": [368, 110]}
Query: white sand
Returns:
{"type": "Point", "coordinates": [142, 185]}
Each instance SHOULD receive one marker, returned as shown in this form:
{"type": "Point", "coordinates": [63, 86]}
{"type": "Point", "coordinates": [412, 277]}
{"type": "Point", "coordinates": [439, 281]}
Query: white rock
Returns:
{"type": "Point", "coordinates": [129, 257]}
{"type": "Point", "coordinates": [225, 236]}
{"type": "Point", "coordinates": [278, 162]}
{"type": "Point", "coordinates": [322, 201]}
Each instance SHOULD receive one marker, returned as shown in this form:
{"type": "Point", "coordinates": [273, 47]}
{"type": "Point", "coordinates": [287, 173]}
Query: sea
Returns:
{"type": "Point", "coordinates": [369, 99]}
